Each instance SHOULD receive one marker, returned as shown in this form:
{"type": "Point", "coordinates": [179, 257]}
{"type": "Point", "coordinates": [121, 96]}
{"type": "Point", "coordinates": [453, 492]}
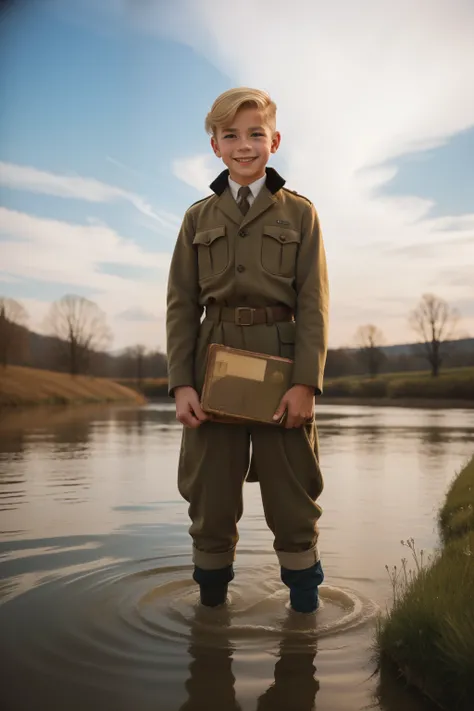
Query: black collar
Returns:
{"type": "Point", "coordinates": [274, 181]}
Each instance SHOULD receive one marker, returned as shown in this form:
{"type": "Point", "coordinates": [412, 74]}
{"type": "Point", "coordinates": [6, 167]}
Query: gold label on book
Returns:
{"type": "Point", "coordinates": [239, 366]}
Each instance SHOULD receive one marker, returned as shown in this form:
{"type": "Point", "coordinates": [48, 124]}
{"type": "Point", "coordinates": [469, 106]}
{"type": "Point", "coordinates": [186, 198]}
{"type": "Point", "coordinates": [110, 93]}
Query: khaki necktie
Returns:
{"type": "Point", "coordinates": [244, 204]}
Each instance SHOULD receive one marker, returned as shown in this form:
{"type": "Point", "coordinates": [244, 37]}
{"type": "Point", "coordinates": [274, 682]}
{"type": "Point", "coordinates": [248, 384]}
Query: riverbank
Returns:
{"type": "Point", "coordinates": [429, 632]}
{"type": "Point", "coordinates": [22, 387]}
{"type": "Point", "coordinates": [451, 389]}
{"type": "Point", "coordinates": [423, 403]}
{"type": "Point", "coordinates": [452, 385]}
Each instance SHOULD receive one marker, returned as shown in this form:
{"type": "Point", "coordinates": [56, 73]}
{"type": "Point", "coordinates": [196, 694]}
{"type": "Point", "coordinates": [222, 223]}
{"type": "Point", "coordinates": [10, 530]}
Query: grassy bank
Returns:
{"type": "Point", "coordinates": [28, 386]}
{"type": "Point", "coordinates": [151, 388]}
{"type": "Point", "coordinates": [429, 632]}
{"type": "Point", "coordinates": [456, 384]}
{"type": "Point", "coordinates": [412, 389]}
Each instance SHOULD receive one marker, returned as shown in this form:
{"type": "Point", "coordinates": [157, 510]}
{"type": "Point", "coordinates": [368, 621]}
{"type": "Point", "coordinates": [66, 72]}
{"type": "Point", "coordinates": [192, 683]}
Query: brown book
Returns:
{"type": "Point", "coordinates": [243, 386]}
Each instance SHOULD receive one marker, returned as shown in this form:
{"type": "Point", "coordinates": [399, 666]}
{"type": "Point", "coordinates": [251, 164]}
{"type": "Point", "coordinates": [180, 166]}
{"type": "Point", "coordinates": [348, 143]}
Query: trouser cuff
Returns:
{"type": "Point", "coordinates": [213, 561]}
{"type": "Point", "coordinates": [213, 578]}
{"type": "Point", "coordinates": [300, 560]}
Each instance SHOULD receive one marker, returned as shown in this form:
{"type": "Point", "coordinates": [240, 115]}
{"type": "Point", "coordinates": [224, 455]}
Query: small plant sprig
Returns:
{"type": "Point", "coordinates": [402, 578]}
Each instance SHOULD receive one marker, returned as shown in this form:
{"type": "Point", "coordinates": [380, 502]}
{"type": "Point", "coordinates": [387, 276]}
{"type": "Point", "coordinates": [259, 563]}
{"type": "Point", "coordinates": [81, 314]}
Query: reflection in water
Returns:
{"type": "Point", "coordinates": [210, 684]}
{"type": "Point", "coordinates": [211, 681]}
{"type": "Point", "coordinates": [87, 489]}
{"type": "Point", "coordinates": [295, 686]}
{"type": "Point", "coordinates": [71, 440]}
{"type": "Point", "coordinates": [12, 447]}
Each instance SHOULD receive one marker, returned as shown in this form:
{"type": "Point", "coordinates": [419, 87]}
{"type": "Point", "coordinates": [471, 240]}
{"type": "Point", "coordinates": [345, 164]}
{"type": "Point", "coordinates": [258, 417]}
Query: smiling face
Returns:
{"type": "Point", "coordinates": [246, 145]}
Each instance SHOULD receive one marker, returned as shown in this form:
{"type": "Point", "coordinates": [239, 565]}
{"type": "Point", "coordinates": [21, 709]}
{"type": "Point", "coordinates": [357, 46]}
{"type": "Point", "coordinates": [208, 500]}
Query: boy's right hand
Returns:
{"type": "Point", "coordinates": [188, 407]}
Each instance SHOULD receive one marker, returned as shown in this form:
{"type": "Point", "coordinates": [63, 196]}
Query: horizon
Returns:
{"type": "Point", "coordinates": [103, 149]}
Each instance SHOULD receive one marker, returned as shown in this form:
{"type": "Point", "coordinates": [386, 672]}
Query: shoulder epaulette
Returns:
{"type": "Point", "coordinates": [201, 200]}
{"type": "Point", "coordinates": [293, 192]}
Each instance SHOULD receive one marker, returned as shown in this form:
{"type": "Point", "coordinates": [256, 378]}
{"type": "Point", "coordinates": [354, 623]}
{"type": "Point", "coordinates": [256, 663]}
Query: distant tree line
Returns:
{"type": "Point", "coordinates": [78, 338]}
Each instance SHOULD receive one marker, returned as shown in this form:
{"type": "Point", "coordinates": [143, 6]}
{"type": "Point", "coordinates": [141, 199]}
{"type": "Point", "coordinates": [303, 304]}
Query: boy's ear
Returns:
{"type": "Point", "coordinates": [276, 140]}
{"type": "Point", "coordinates": [215, 147]}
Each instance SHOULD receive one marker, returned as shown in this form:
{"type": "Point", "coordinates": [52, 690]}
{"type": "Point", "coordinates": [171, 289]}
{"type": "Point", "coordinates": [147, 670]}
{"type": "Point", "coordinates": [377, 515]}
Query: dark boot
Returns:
{"type": "Point", "coordinates": [303, 585]}
{"type": "Point", "coordinates": [213, 584]}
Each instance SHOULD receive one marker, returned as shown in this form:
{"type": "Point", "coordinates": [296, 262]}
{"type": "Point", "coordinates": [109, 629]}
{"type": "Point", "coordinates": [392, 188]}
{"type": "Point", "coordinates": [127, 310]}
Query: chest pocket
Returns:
{"type": "Point", "coordinates": [213, 251]}
{"type": "Point", "coordinates": [279, 250]}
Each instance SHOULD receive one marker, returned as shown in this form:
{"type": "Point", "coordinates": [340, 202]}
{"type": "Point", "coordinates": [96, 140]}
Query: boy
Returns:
{"type": "Point", "coordinates": [250, 257]}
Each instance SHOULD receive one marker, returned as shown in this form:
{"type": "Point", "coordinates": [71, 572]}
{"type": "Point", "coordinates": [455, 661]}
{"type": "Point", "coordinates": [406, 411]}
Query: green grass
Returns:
{"type": "Point", "coordinates": [429, 631]}
{"type": "Point", "coordinates": [456, 518]}
{"type": "Point", "coordinates": [455, 384]}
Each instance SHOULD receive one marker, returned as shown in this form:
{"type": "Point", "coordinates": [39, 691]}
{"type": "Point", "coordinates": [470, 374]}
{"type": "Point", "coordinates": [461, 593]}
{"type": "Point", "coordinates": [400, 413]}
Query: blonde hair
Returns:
{"type": "Point", "coordinates": [226, 106]}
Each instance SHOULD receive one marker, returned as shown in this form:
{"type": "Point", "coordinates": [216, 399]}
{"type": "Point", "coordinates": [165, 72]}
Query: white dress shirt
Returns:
{"type": "Point", "coordinates": [255, 188]}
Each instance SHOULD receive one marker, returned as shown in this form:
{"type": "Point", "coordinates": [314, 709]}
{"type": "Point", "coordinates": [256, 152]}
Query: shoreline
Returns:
{"type": "Point", "coordinates": [421, 403]}
{"type": "Point", "coordinates": [409, 403]}
{"type": "Point", "coordinates": [428, 634]}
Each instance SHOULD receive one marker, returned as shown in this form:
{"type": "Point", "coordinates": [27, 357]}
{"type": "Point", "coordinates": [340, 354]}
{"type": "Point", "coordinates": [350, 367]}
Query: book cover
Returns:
{"type": "Point", "coordinates": [243, 386]}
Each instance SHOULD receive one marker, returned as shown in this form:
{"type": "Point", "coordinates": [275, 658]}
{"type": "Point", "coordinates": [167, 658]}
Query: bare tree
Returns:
{"type": "Point", "coordinates": [137, 355]}
{"type": "Point", "coordinates": [435, 322]}
{"type": "Point", "coordinates": [81, 328]}
{"type": "Point", "coordinates": [13, 318]}
{"type": "Point", "coordinates": [369, 339]}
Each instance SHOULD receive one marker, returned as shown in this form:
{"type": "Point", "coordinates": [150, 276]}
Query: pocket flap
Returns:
{"type": "Point", "coordinates": [286, 331]}
{"type": "Point", "coordinates": [207, 237]}
{"type": "Point", "coordinates": [284, 235]}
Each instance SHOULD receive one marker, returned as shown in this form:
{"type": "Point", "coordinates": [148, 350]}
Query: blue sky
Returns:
{"type": "Point", "coordinates": [102, 148]}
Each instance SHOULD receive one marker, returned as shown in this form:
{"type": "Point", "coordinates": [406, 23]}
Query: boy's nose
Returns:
{"type": "Point", "coordinates": [244, 145]}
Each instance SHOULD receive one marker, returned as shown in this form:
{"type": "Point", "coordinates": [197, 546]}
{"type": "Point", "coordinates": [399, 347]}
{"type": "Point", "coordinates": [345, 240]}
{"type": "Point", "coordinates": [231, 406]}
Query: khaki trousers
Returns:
{"type": "Point", "coordinates": [215, 459]}
{"type": "Point", "coordinates": [213, 465]}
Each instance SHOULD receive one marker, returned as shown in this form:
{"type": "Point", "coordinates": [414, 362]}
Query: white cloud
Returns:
{"type": "Point", "coordinates": [122, 166]}
{"type": "Point", "coordinates": [357, 86]}
{"type": "Point", "coordinates": [197, 171]}
{"type": "Point", "coordinates": [22, 177]}
{"type": "Point", "coordinates": [74, 255]}
{"type": "Point", "coordinates": [136, 314]}
{"type": "Point", "coordinates": [8, 278]}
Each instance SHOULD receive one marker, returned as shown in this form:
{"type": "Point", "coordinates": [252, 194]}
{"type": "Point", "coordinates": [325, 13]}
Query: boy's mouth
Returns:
{"type": "Point", "coordinates": [245, 160]}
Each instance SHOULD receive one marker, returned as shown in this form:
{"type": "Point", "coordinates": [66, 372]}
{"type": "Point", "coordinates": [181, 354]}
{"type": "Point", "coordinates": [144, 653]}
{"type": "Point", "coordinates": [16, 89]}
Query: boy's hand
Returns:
{"type": "Point", "coordinates": [188, 407]}
{"type": "Point", "coordinates": [299, 401]}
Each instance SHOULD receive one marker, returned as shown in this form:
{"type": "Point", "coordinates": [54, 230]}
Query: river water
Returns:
{"type": "Point", "coordinates": [97, 605]}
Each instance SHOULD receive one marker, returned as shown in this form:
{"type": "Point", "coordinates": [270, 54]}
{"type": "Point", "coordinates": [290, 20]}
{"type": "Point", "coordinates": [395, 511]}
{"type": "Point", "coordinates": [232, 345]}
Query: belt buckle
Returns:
{"type": "Point", "coordinates": [238, 317]}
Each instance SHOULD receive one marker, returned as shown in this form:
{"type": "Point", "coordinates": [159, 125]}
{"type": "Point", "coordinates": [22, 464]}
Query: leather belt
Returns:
{"type": "Point", "coordinates": [248, 316]}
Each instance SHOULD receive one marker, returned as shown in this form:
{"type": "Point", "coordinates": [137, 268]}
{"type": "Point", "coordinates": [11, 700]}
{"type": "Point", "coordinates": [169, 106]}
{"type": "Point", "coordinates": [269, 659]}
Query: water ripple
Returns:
{"type": "Point", "coordinates": [116, 622]}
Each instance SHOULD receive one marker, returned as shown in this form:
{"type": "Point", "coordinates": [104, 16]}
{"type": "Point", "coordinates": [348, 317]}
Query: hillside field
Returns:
{"type": "Point", "coordinates": [21, 386]}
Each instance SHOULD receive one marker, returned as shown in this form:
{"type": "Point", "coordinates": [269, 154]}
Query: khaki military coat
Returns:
{"type": "Point", "coordinates": [274, 255]}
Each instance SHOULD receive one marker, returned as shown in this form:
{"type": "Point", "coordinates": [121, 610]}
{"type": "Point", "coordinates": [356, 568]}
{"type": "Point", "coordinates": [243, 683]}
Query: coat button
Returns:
{"type": "Point", "coordinates": [240, 268]}
{"type": "Point", "coordinates": [282, 238]}
{"type": "Point", "coordinates": [208, 239]}
{"type": "Point", "coordinates": [242, 233]}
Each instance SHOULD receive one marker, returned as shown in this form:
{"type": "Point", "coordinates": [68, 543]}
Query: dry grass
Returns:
{"type": "Point", "coordinates": [28, 386]}
{"type": "Point", "coordinates": [150, 387]}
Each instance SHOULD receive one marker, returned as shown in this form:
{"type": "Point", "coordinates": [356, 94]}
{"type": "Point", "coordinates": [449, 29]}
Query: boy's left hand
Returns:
{"type": "Point", "coordinates": [299, 402]}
